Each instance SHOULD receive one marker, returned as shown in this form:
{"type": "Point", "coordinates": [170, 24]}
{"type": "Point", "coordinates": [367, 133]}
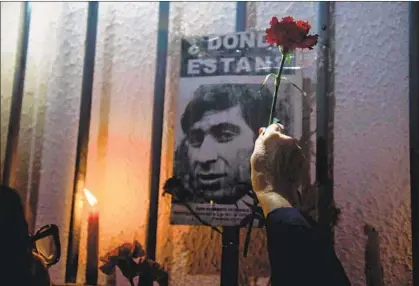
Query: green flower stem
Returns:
{"type": "Point", "coordinates": [277, 82]}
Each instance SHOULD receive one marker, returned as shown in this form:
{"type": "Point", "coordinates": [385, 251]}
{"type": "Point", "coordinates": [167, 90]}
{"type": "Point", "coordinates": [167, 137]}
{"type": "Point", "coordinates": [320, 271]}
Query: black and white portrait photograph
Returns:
{"type": "Point", "coordinates": [220, 125]}
{"type": "Point", "coordinates": [217, 123]}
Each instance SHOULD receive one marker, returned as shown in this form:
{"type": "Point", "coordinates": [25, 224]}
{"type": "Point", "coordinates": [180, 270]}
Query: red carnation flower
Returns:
{"type": "Point", "coordinates": [290, 34]}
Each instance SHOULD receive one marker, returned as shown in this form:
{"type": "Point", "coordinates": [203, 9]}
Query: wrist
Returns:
{"type": "Point", "coordinates": [271, 200]}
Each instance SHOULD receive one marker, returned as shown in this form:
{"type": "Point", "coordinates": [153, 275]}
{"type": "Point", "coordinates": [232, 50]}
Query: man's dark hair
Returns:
{"type": "Point", "coordinates": [253, 99]}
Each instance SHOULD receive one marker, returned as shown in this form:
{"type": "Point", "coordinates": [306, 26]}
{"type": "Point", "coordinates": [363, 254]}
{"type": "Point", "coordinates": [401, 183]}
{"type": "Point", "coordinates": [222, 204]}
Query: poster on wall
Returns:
{"type": "Point", "coordinates": [221, 104]}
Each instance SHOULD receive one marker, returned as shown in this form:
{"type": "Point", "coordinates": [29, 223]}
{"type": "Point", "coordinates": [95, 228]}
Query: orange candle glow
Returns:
{"type": "Point", "coordinates": [92, 240]}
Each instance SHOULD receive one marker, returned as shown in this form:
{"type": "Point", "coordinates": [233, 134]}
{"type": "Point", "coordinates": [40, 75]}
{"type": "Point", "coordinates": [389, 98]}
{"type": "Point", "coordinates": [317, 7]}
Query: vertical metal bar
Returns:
{"type": "Point", "coordinates": [414, 132]}
{"type": "Point", "coordinates": [230, 256]}
{"type": "Point", "coordinates": [231, 234]}
{"type": "Point", "coordinates": [157, 126]}
{"type": "Point", "coordinates": [17, 97]}
{"type": "Point", "coordinates": [241, 16]}
{"type": "Point", "coordinates": [323, 93]}
{"type": "Point", "coordinates": [82, 142]}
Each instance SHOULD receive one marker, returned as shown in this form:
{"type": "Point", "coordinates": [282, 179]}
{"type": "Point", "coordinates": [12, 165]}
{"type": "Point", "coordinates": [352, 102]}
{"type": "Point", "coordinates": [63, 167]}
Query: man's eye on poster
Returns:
{"type": "Point", "coordinates": [220, 107]}
{"type": "Point", "coordinates": [221, 133]}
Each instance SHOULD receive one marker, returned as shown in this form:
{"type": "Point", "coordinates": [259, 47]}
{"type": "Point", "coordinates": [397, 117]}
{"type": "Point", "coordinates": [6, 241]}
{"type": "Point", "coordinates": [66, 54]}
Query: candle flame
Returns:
{"type": "Point", "coordinates": [90, 197]}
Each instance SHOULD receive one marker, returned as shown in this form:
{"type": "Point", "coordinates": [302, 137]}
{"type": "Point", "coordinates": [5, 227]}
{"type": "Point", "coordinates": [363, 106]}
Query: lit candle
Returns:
{"type": "Point", "coordinates": [92, 240]}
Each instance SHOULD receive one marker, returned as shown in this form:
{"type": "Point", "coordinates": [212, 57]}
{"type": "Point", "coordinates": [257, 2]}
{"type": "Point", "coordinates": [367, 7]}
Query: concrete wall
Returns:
{"type": "Point", "coordinates": [371, 127]}
{"type": "Point", "coordinates": [371, 135]}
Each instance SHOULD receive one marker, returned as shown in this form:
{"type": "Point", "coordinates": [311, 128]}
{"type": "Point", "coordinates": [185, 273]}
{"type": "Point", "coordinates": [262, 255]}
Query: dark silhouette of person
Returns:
{"type": "Point", "coordinates": [19, 265]}
{"type": "Point", "coordinates": [15, 246]}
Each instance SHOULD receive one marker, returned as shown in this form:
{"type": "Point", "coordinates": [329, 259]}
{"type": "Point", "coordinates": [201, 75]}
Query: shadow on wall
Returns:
{"type": "Point", "coordinates": [374, 275]}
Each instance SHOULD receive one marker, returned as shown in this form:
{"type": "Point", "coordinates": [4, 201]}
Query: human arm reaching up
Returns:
{"type": "Point", "coordinates": [298, 252]}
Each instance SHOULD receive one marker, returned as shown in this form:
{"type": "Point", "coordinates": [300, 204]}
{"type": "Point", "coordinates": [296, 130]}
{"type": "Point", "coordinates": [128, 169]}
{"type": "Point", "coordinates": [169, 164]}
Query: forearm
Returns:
{"type": "Point", "coordinates": [270, 201]}
{"type": "Point", "coordinates": [268, 196]}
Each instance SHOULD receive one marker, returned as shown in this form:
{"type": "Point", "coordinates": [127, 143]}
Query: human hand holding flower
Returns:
{"type": "Point", "coordinates": [275, 168]}
{"type": "Point", "coordinates": [277, 157]}
{"type": "Point", "coordinates": [287, 35]}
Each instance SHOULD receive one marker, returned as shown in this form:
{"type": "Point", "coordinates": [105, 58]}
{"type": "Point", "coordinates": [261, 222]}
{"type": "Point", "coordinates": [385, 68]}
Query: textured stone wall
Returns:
{"type": "Point", "coordinates": [371, 136]}
{"type": "Point", "coordinates": [371, 127]}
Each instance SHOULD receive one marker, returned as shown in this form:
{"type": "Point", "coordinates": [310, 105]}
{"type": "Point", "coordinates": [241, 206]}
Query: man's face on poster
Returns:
{"type": "Point", "coordinates": [219, 147]}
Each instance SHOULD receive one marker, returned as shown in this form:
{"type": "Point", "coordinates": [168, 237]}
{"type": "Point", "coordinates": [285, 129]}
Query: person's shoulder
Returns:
{"type": "Point", "coordinates": [10, 203]}
{"type": "Point", "coordinates": [8, 195]}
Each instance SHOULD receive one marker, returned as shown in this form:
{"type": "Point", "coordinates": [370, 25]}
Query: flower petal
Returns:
{"type": "Point", "coordinates": [107, 268]}
{"type": "Point", "coordinates": [309, 42]}
{"type": "Point", "coordinates": [303, 25]}
{"type": "Point", "coordinates": [138, 250]}
{"type": "Point", "coordinates": [274, 21]}
{"type": "Point", "coordinates": [270, 36]}
{"type": "Point", "coordinates": [128, 268]}
{"type": "Point", "coordinates": [125, 250]}
{"type": "Point", "coordinates": [287, 19]}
